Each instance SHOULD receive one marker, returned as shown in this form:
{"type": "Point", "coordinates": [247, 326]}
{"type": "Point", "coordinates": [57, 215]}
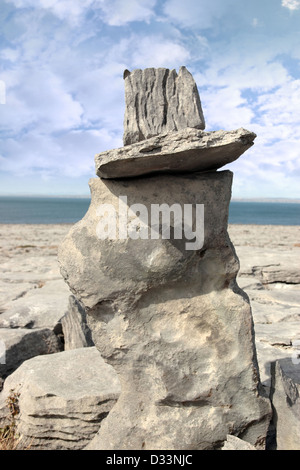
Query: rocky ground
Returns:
{"type": "Point", "coordinates": [34, 298]}
{"type": "Point", "coordinates": [269, 273]}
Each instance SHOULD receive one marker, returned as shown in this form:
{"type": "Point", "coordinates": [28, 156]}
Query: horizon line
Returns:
{"type": "Point", "coordinates": [88, 196]}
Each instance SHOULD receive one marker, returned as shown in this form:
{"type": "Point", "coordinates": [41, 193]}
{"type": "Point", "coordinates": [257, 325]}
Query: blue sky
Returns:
{"type": "Point", "coordinates": [62, 63]}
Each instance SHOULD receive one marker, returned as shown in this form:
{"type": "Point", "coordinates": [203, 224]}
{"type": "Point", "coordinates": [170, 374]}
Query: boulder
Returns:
{"type": "Point", "coordinates": [160, 100]}
{"type": "Point", "coordinates": [39, 308]}
{"type": "Point", "coordinates": [188, 150]}
{"type": "Point", "coordinates": [21, 344]}
{"type": "Point", "coordinates": [63, 398]}
{"type": "Point", "coordinates": [74, 326]}
{"type": "Point", "coordinates": [286, 402]}
{"type": "Point", "coordinates": [269, 265]}
{"type": "Point", "coordinates": [169, 318]}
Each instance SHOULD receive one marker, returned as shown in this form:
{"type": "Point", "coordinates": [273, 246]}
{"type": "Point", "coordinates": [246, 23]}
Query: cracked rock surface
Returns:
{"type": "Point", "coordinates": [188, 150]}
{"type": "Point", "coordinates": [160, 100]}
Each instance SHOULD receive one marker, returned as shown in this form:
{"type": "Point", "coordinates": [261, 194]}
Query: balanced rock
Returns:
{"type": "Point", "coordinates": [153, 265]}
{"type": "Point", "coordinates": [159, 100]}
{"type": "Point", "coordinates": [188, 150]}
{"type": "Point", "coordinates": [63, 398]}
{"type": "Point", "coordinates": [167, 314]}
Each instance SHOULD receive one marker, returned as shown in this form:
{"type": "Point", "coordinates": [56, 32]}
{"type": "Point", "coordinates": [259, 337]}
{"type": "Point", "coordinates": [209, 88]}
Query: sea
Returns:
{"type": "Point", "coordinates": [69, 210]}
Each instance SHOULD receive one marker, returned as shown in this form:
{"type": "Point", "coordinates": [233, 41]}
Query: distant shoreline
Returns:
{"type": "Point", "coordinates": [48, 196]}
{"type": "Point", "coordinates": [70, 196]}
{"type": "Point", "coordinates": [271, 200]}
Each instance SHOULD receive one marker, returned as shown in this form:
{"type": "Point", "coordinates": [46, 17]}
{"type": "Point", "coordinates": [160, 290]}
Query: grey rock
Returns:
{"type": "Point", "coordinates": [188, 150]}
{"type": "Point", "coordinates": [74, 326]}
{"type": "Point", "coordinates": [63, 398]}
{"type": "Point", "coordinates": [286, 402]}
{"type": "Point", "coordinates": [234, 443]}
{"type": "Point", "coordinates": [159, 100]}
{"type": "Point", "coordinates": [171, 321]}
{"type": "Point", "coordinates": [269, 265]}
{"type": "Point", "coordinates": [273, 274]}
{"type": "Point", "coordinates": [278, 334]}
{"type": "Point", "coordinates": [272, 312]}
{"type": "Point", "coordinates": [266, 356]}
{"type": "Point", "coordinates": [22, 344]}
{"type": "Point", "coordinates": [39, 308]}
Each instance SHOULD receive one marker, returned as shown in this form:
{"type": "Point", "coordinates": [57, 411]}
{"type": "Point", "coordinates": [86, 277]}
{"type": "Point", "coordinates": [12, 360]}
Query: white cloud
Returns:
{"type": "Point", "coordinates": [196, 13]}
{"type": "Point", "coordinates": [38, 98]}
{"type": "Point", "coordinates": [112, 12]}
{"type": "Point", "coordinates": [68, 10]}
{"type": "Point", "coordinates": [9, 54]}
{"type": "Point", "coordinates": [120, 12]}
{"type": "Point", "coordinates": [224, 108]}
{"type": "Point", "coordinates": [70, 154]}
{"type": "Point", "coordinates": [242, 74]}
{"type": "Point", "coordinates": [157, 51]}
{"type": "Point", "coordinates": [282, 105]}
{"type": "Point", "coordinates": [291, 4]}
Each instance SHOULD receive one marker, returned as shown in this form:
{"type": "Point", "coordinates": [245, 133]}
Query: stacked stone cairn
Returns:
{"type": "Point", "coordinates": [164, 308]}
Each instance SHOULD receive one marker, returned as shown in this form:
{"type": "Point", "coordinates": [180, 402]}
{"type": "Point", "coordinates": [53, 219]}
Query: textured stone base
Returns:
{"type": "Point", "coordinates": [172, 322]}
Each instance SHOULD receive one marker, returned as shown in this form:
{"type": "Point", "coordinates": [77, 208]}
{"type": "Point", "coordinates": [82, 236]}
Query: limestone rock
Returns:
{"type": "Point", "coordinates": [63, 398]}
{"type": "Point", "coordinates": [39, 308]}
{"type": "Point", "coordinates": [75, 329]}
{"type": "Point", "coordinates": [159, 100]}
{"type": "Point", "coordinates": [234, 443]}
{"type": "Point", "coordinates": [266, 356]}
{"type": "Point", "coordinates": [188, 150]}
{"type": "Point", "coordinates": [267, 266]}
{"type": "Point", "coordinates": [22, 344]}
{"type": "Point", "coordinates": [171, 321]}
{"type": "Point", "coordinates": [286, 402]}
{"type": "Point", "coordinates": [278, 334]}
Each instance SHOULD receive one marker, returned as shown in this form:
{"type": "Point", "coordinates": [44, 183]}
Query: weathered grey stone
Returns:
{"type": "Point", "coordinates": [159, 100]}
{"type": "Point", "coordinates": [278, 334]}
{"type": "Point", "coordinates": [22, 344]}
{"type": "Point", "coordinates": [74, 326]}
{"type": "Point", "coordinates": [38, 308]}
{"type": "Point", "coordinates": [63, 398]}
{"type": "Point", "coordinates": [171, 321]}
{"type": "Point", "coordinates": [234, 443]}
{"type": "Point", "coordinates": [189, 150]}
{"type": "Point", "coordinates": [266, 356]}
{"type": "Point", "coordinates": [268, 267]}
{"type": "Point", "coordinates": [273, 312]}
{"type": "Point", "coordinates": [286, 402]}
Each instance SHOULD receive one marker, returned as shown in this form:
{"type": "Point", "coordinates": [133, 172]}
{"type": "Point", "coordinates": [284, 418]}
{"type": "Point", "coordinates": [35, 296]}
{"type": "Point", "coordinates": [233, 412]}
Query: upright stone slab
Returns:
{"type": "Point", "coordinates": [160, 100]}
{"type": "Point", "coordinates": [170, 320]}
{"type": "Point", "coordinates": [76, 332]}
